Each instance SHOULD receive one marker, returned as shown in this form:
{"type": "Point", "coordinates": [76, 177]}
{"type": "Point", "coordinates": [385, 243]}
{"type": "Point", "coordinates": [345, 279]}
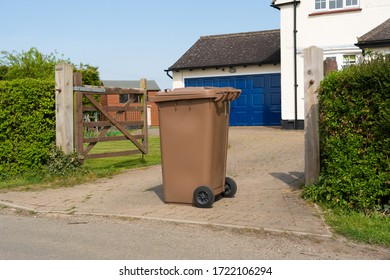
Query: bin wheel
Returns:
{"type": "Point", "coordinates": [203, 197]}
{"type": "Point", "coordinates": [230, 187]}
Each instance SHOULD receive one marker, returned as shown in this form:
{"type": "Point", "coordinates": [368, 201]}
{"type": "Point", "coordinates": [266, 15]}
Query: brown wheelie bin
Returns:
{"type": "Point", "coordinates": [194, 127]}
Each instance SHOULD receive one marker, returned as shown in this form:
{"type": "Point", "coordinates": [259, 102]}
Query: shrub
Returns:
{"type": "Point", "coordinates": [27, 125]}
{"type": "Point", "coordinates": [60, 164]}
{"type": "Point", "coordinates": [354, 137]}
{"type": "Point", "coordinates": [27, 114]}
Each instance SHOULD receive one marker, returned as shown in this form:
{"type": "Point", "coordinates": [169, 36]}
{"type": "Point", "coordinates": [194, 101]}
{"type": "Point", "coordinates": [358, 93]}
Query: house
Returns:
{"type": "Point", "coordinates": [268, 65]}
{"type": "Point", "coordinates": [152, 89]}
{"type": "Point", "coordinates": [377, 39]}
{"type": "Point", "coordinates": [249, 61]}
{"type": "Point", "coordinates": [333, 25]}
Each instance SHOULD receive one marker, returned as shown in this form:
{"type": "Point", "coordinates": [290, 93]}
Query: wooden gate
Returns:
{"type": "Point", "coordinates": [100, 110]}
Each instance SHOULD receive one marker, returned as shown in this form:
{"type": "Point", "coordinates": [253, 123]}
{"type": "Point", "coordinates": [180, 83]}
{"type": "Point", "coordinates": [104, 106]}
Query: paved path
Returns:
{"type": "Point", "coordinates": [267, 164]}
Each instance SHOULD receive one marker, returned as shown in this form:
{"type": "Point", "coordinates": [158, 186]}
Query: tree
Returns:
{"type": "Point", "coordinates": [89, 73]}
{"type": "Point", "coordinates": [36, 65]}
{"type": "Point", "coordinates": [29, 64]}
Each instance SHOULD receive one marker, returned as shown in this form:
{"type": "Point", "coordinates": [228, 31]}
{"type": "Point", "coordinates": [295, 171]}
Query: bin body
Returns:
{"type": "Point", "coordinates": [194, 124]}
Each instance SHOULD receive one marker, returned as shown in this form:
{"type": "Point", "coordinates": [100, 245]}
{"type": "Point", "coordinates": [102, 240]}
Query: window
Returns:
{"type": "Point", "coordinates": [320, 4]}
{"type": "Point", "coordinates": [123, 98]}
{"type": "Point", "coordinates": [348, 60]}
{"type": "Point", "coordinates": [351, 3]}
{"type": "Point", "coordinates": [335, 4]}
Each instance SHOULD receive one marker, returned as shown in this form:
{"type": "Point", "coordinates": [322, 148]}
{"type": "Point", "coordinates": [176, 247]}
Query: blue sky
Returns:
{"type": "Point", "coordinates": [130, 39]}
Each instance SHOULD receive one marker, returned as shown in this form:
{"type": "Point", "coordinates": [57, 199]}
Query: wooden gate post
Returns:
{"type": "Point", "coordinates": [64, 107]}
{"type": "Point", "coordinates": [78, 113]}
{"type": "Point", "coordinates": [313, 74]}
{"type": "Point", "coordinates": [144, 115]}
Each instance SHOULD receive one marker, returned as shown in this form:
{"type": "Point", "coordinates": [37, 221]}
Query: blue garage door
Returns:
{"type": "Point", "coordinates": [259, 102]}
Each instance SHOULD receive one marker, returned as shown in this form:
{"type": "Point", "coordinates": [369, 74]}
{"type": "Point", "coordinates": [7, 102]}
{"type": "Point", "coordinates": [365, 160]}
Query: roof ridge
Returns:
{"type": "Point", "coordinates": [240, 34]}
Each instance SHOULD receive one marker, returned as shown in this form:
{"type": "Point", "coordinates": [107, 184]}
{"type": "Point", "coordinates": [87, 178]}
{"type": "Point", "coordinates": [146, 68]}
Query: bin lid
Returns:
{"type": "Point", "coordinates": [218, 94]}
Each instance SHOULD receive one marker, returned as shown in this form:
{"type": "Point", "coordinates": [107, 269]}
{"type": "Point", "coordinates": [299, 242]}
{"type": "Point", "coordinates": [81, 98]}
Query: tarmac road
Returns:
{"type": "Point", "coordinates": [69, 237]}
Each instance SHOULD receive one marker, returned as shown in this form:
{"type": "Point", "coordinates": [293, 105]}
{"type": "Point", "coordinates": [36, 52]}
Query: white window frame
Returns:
{"type": "Point", "coordinates": [344, 5]}
{"type": "Point", "coordinates": [352, 5]}
{"type": "Point", "coordinates": [320, 2]}
{"type": "Point", "coordinates": [349, 59]}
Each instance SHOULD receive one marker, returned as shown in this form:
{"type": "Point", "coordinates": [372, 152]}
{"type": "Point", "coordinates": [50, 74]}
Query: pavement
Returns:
{"type": "Point", "coordinates": [266, 162]}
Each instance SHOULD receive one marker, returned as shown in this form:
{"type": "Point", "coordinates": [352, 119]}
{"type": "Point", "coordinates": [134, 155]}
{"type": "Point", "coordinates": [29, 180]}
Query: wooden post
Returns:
{"type": "Point", "coordinates": [144, 115]}
{"type": "Point", "coordinates": [64, 107]}
{"type": "Point", "coordinates": [313, 74]}
{"type": "Point", "coordinates": [78, 114]}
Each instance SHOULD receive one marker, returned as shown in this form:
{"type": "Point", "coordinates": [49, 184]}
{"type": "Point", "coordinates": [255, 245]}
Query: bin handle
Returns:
{"type": "Point", "coordinates": [228, 95]}
{"type": "Point", "coordinates": [220, 98]}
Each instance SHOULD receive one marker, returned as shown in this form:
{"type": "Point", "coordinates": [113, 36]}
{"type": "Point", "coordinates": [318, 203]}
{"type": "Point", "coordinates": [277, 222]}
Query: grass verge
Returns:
{"type": "Point", "coordinates": [373, 228]}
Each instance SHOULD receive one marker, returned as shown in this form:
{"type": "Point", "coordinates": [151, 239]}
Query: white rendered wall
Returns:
{"type": "Point", "coordinates": [335, 33]}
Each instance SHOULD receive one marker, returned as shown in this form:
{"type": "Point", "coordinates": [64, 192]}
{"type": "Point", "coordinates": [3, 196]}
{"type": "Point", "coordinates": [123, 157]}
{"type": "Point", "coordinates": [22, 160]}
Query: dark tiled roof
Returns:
{"type": "Point", "coordinates": [249, 48]}
{"type": "Point", "coordinates": [150, 84]}
{"type": "Point", "coordinates": [379, 36]}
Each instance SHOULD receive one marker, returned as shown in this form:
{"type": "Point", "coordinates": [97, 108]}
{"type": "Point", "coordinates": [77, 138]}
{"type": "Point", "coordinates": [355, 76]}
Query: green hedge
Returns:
{"type": "Point", "coordinates": [355, 137]}
{"type": "Point", "coordinates": [27, 125]}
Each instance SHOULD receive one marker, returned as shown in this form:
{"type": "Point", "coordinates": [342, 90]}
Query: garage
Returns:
{"type": "Point", "coordinates": [249, 61]}
{"type": "Point", "coordinates": [260, 100]}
